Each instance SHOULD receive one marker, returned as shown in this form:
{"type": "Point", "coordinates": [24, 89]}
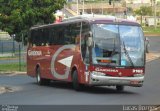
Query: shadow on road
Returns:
{"type": "Point", "coordinates": [88, 89]}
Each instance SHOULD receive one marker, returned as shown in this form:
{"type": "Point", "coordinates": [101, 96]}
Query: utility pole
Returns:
{"type": "Point", "coordinates": [83, 7]}
{"type": "Point", "coordinates": [110, 3]}
{"type": "Point", "coordinates": [22, 41]}
{"type": "Point", "coordinates": [125, 11]}
{"type": "Point", "coordinates": [155, 23]}
{"type": "Point", "coordinates": [77, 7]}
{"type": "Point", "coordinates": [91, 9]}
{"type": "Point", "coordinates": [114, 7]}
{"type": "Point", "coordinates": [13, 48]}
{"type": "Point", "coordinates": [141, 17]}
{"type": "Point", "coordinates": [102, 7]}
{"type": "Point", "coordinates": [141, 12]}
{"type": "Point", "coordinates": [152, 6]}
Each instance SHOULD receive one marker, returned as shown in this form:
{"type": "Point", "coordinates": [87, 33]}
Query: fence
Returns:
{"type": "Point", "coordinates": [12, 54]}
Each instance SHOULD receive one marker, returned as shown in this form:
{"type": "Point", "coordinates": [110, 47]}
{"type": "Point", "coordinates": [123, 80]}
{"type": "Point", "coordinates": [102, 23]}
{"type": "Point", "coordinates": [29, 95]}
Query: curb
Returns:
{"type": "Point", "coordinates": [9, 89]}
{"type": "Point", "coordinates": [152, 35]}
{"type": "Point", "coordinates": [4, 89]}
{"type": "Point", "coordinates": [13, 73]}
{"type": "Point", "coordinates": [152, 56]}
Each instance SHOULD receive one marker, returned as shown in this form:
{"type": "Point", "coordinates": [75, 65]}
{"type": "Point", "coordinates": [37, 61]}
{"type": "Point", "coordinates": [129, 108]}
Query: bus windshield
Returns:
{"type": "Point", "coordinates": [118, 45]}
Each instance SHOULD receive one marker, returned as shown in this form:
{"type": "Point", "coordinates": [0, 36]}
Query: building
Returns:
{"type": "Point", "coordinates": [141, 1]}
{"type": "Point", "coordinates": [138, 1]}
{"type": "Point", "coordinates": [4, 36]}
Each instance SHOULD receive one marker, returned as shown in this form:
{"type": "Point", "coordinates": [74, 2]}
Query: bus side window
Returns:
{"type": "Point", "coordinates": [61, 39]}
{"type": "Point", "coordinates": [54, 36]}
{"type": "Point", "coordinates": [30, 39]}
{"type": "Point", "coordinates": [34, 36]}
{"type": "Point", "coordinates": [77, 34]}
{"type": "Point", "coordinates": [45, 36]}
{"type": "Point", "coordinates": [38, 37]}
{"type": "Point", "coordinates": [51, 36]}
{"type": "Point", "coordinates": [71, 32]}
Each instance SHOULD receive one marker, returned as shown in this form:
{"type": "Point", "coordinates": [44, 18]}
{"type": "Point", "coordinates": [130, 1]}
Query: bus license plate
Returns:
{"type": "Point", "coordinates": [119, 81]}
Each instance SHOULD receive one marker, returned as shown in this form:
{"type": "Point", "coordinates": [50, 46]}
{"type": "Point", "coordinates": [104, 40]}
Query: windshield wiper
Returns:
{"type": "Point", "coordinates": [127, 54]}
{"type": "Point", "coordinates": [114, 49]}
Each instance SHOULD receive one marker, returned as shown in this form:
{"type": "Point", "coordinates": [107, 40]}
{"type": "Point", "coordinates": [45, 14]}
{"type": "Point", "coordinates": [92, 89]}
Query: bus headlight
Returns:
{"type": "Point", "coordinates": [98, 73]}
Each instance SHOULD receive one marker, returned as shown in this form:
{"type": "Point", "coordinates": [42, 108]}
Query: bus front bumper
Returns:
{"type": "Point", "coordinates": [112, 81]}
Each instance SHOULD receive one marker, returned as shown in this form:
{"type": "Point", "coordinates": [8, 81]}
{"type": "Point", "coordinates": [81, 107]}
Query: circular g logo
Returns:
{"type": "Point", "coordinates": [53, 71]}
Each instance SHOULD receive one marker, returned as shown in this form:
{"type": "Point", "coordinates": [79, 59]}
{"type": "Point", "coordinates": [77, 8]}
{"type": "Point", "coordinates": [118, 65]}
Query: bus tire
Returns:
{"type": "Point", "coordinates": [119, 88]}
{"type": "Point", "coordinates": [75, 81]}
{"type": "Point", "coordinates": [41, 81]}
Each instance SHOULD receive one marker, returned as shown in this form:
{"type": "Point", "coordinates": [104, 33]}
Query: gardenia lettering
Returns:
{"type": "Point", "coordinates": [34, 53]}
{"type": "Point", "coordinates": [106, 70]}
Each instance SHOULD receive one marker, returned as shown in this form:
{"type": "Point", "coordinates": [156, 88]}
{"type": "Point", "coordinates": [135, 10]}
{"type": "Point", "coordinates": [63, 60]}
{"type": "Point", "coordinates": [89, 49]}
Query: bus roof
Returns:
{"type": "Point", "coordinates": [91, 18]}
{"type": "Point", "coordinates": [101, 19]}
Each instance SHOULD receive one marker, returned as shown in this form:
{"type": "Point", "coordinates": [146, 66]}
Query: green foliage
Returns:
{"type": "Point", "coordinates": [144, 11]}
{"type": "Point", "coordinates": [12, 67]}
{"type": "Point", "coordinates": [17, 16]}
{"type": "Point", "coordinates": [151, 30]}
{"type": "Point", "coordinates": [158, 13]}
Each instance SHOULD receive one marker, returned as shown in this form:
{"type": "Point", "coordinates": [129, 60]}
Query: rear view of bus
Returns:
{"type": "Point", "coordinates": [118, 53]}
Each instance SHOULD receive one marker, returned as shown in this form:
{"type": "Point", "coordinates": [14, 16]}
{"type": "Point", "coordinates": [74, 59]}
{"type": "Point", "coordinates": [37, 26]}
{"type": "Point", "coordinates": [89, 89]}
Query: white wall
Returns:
{"type": "Point", "coordinates": [138, 1]}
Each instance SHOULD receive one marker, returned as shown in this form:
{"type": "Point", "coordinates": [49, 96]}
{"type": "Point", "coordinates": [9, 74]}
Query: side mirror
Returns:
{"type": "Point", "coordinates": [147, 45]}
{"type": "Point", "coordinates": [90, 41]}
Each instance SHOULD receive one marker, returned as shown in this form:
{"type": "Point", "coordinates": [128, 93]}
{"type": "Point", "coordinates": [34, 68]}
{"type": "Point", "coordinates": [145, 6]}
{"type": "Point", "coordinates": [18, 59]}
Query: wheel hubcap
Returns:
{"type": "Point", "coordinates": [38, 78]}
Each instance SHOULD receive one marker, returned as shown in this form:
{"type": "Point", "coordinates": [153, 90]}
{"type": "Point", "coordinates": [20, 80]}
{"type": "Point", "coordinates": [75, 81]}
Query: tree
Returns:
{"type": "Point", "coordinates": [144, 11]}
{"type": "Point", "coordinates": [17, 16]}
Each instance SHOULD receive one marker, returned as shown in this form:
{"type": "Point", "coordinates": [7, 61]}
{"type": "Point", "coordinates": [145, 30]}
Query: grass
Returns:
{"type": "Point", "coordinates": [151, 30]}
{"type": "Point", "coordinates": [12, 67]}
{"type": "Point", "coordinates": [8, 58]}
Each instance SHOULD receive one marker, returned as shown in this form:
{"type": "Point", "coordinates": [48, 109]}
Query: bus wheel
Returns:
{"type": "Point", "coordinates": [41, 81]}
{"type": "Point", "coordinates": [76, 84]}
{"type": "Point", "coordinates": [119, 88]}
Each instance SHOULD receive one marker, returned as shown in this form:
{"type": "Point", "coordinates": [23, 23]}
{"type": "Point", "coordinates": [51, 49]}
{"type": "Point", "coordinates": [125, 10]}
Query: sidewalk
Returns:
{"type": "Point", "coordinates": [12, 73]}
{"type": "Point", "coordinates": [7, 55]}
{"type": "Point", "coordinates": [152, 35]}
{"type": "Point", "coordinates": [152, 56]}
{"type": "Point", "coordinates": [4, 89]}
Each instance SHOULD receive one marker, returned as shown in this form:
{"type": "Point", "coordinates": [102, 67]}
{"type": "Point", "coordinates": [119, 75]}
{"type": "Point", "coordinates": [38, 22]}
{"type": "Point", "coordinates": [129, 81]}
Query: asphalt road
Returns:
{"type": "Point", "coordinates": [154, 44]}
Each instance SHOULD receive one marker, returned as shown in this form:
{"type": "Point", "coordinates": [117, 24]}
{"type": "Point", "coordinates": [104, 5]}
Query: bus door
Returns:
{"type": "Point", "coordinates": [85, 51]}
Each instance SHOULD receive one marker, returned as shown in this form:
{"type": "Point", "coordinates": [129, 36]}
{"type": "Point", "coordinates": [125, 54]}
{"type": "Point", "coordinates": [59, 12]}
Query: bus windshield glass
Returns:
{"type": "Point", "coordinates": [118, 45]}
